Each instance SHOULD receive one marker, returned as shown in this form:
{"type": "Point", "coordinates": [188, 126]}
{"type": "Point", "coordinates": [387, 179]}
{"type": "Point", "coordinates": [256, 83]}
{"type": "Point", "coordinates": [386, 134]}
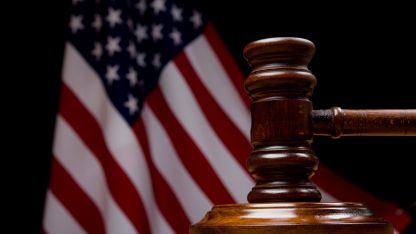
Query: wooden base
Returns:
{"type": "Point", "coordinates": [291, 218]}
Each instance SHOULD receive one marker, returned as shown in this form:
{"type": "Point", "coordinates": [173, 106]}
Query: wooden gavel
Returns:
{"type": "Point", "coordinates": [283, 122]}
{"type": "Point", "coordinates": [284, 200]}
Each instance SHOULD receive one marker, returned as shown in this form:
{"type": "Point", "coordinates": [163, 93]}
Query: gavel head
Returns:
{"type": "Point", "coordinates": [280, 64]}
{"type": "Point", "coordinates": [279, 86]}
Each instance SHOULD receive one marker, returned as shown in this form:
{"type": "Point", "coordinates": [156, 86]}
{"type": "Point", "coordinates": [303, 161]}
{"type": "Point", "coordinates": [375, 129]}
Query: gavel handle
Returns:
{"type": "Point", "coordinates": [336, 122]}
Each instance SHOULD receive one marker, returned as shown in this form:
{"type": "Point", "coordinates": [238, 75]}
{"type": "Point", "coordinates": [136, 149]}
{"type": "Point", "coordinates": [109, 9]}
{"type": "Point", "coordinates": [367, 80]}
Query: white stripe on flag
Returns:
{"type": "Point", "coordinates": [57, 219]}
{"type": "Point", "coordinates": [83, 167]}
{"type": "Point", "coordinates": [211, 72]}
{"type": "Point", "coordinates": [191, 197]}
{"type": "Point", "coordinates": [120, 139]}
{"type": "Point", "coordinates": [182, 103]}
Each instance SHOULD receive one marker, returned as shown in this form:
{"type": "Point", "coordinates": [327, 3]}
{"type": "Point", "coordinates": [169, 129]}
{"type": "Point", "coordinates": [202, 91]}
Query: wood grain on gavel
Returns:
{"type": "Point", "coordinates": [337, 122]}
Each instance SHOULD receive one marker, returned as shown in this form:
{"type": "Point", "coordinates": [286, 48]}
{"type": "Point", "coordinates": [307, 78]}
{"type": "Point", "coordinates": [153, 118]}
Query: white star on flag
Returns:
{"type": "Point", "coordinates": [113, 17]}
{"type": "Point", "coordinates": [158, 6]}
{"type": "Point", "coordinates": [97, 23]}
{"type": "Point", "coordinates": [176, 37]}
{"type": "Point", "coordinates": [140, 32]}
{"type": "Point", "coordinates": [131, 104]}
{"type": "Point", "coordinates": [112, 74]}
{"type": "Point", "coordinates": [157, 32]}
{"type": "Point", "coordinates": [75, 23]}
{"type": "Point", "coordinates": [176, 13]}
{"type": "Point", "coordinates": [132, 76]}
{"type": "Point", "coordinates": [132, 49]}
{"type": "Point", "coordinates": [141, 6]}
{"type": "Point", "coordinates": [196, 19]}
{"type": "Point", "coordinates": [156, 61]}
{"type": "Point", "coordinates": [140, 59]}
{"type": "Point", "coordinates": [113, 45]}
{"type": "Point", "coordinates": [97, 51]}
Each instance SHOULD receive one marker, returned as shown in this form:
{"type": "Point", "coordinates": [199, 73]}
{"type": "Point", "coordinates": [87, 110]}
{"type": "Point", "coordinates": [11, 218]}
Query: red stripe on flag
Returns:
{"type": "Point", "coordinates": [75, 200]}
{"type": "Point", "coordinates": [191, 157]}
{"type": "Point", "coordinates": [121, 188]}
{"type": "Point", "coordinates": [346, 191]}
{"type": "Point", "coordinates": [165, 198]}
{"type": "Point", "coordinates": [233, 71]}
{"type": "Point", "coordinates": [226, 130]}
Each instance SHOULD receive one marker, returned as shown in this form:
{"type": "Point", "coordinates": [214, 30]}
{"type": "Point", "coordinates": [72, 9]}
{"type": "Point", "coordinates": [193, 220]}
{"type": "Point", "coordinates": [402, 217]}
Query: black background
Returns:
{"type": "Point", "coordinates": [365, 58]}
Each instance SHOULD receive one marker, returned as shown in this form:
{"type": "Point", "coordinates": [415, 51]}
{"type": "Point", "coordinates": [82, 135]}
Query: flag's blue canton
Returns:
{"type": "Point", "coordinates": [128, 43]}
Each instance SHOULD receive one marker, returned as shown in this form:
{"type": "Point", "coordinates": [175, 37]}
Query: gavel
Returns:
{"type": "Point", "coordinates": [284, 200]}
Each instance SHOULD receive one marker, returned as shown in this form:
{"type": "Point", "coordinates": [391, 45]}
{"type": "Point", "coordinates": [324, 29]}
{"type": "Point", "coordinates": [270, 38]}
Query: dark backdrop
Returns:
{"type": "Point", "coordinates": [364, 59]}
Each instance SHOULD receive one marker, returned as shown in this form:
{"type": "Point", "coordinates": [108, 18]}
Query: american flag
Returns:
{"type": "Point", "coordinates": [153, 125]}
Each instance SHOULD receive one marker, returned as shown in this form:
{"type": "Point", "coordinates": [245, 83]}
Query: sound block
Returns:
{"type": "Point", "coordinates": [291, 218]}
